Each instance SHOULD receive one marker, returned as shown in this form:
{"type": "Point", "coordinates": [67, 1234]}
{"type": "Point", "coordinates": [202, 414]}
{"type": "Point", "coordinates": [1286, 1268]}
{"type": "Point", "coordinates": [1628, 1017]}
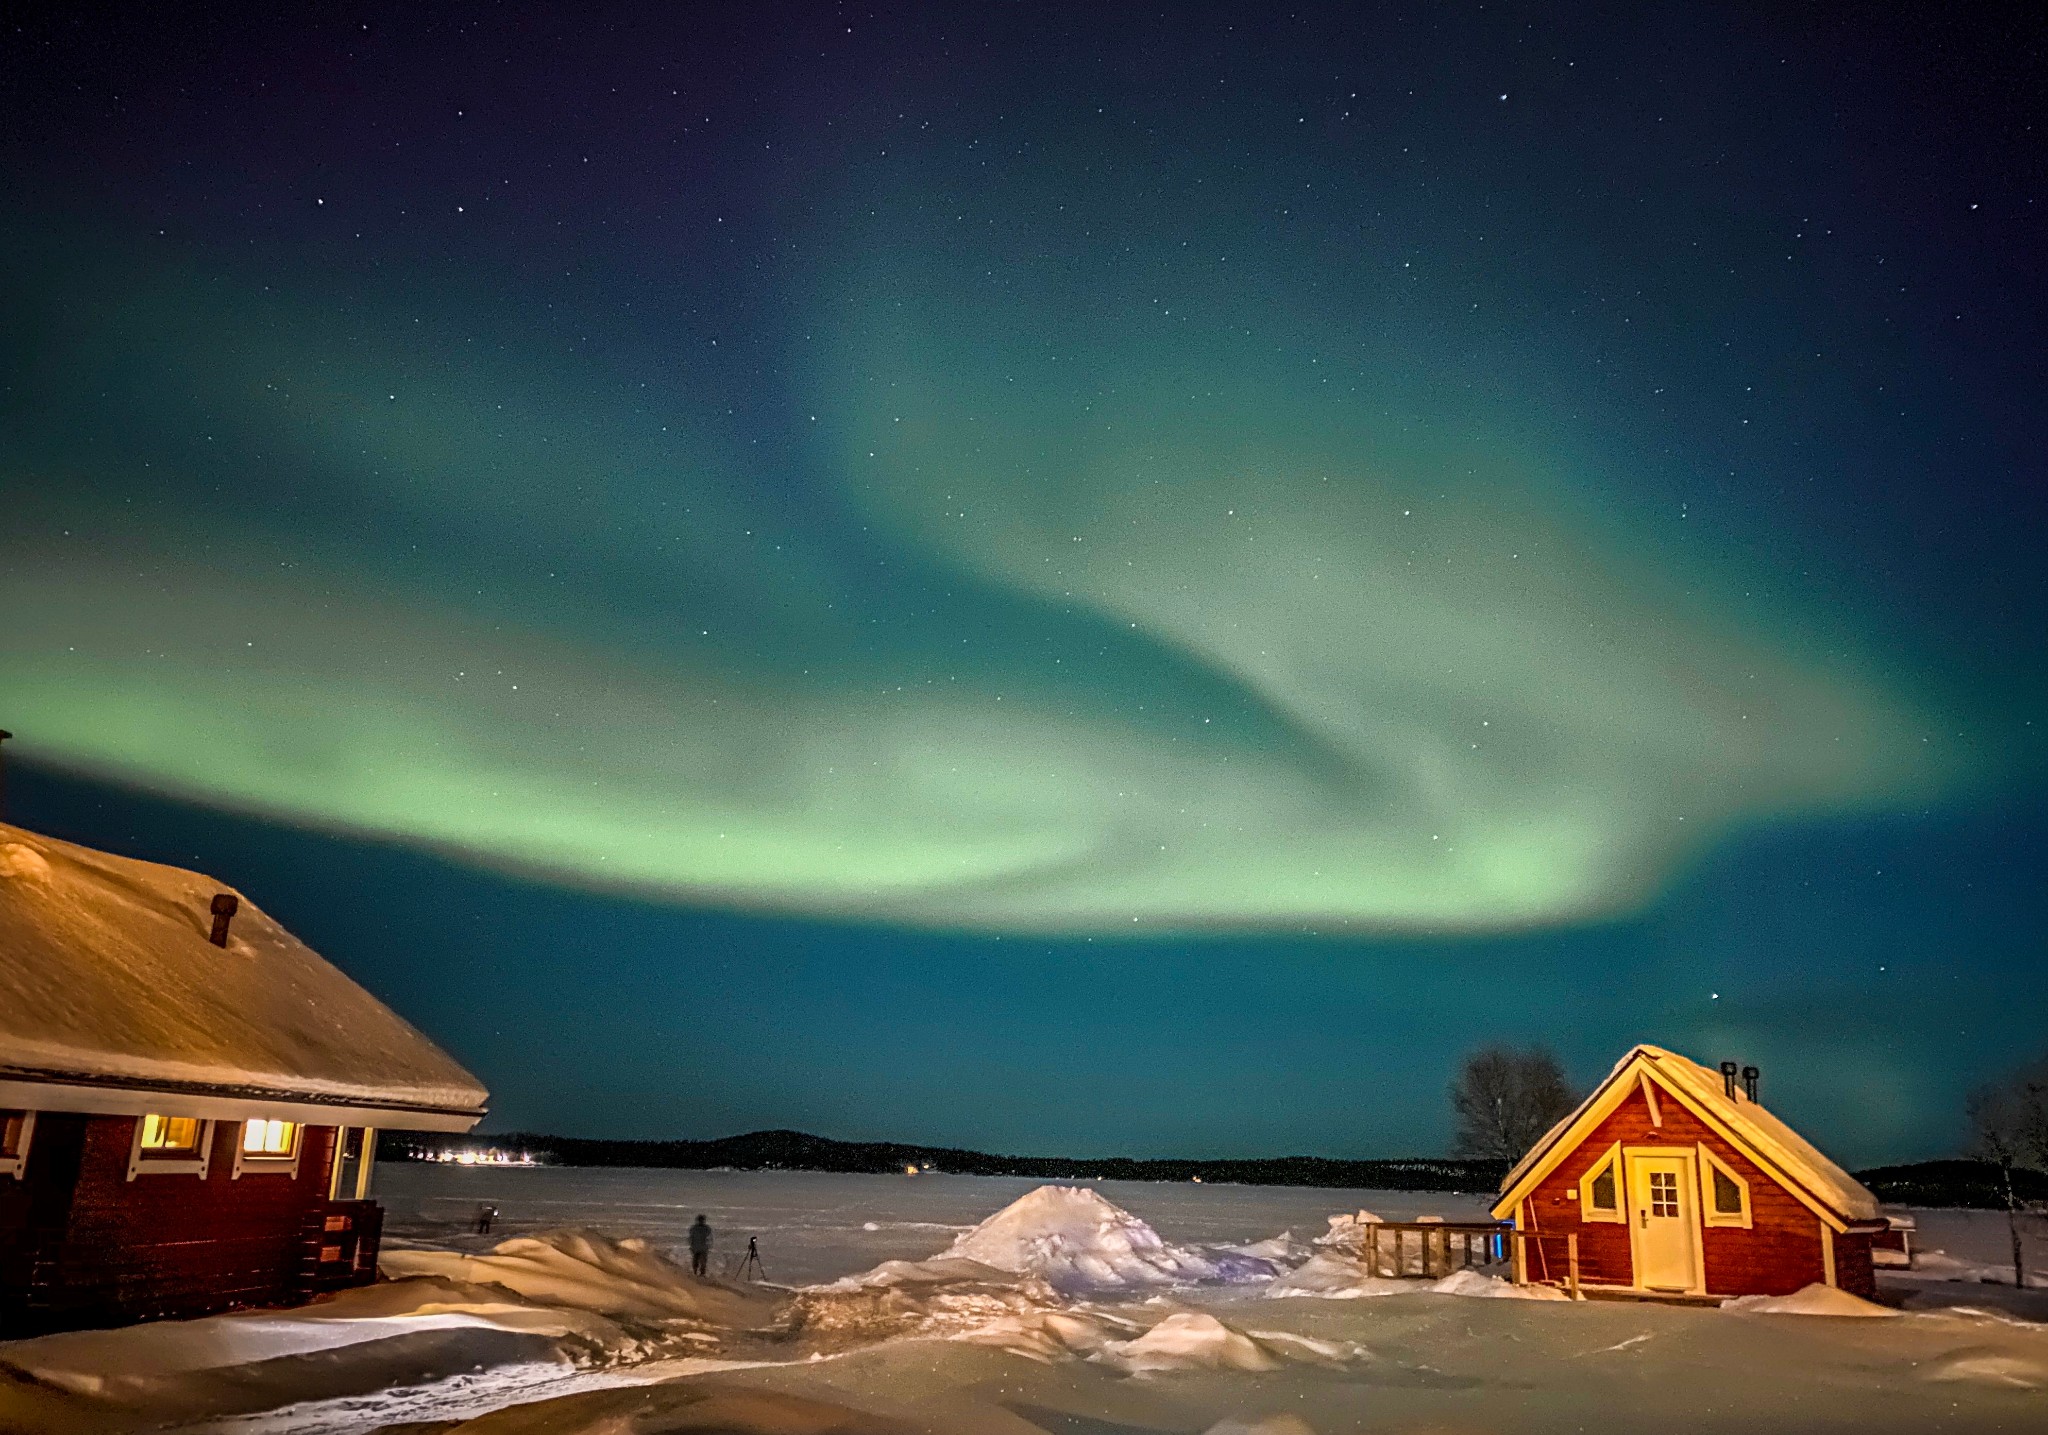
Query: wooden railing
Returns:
{"type": "Point", "coordinates": [1538, 1258]}
{"type": "Point", "coordinates": [340, 1245]}
{"type": "Point", "coordinates": [1429, 1249]}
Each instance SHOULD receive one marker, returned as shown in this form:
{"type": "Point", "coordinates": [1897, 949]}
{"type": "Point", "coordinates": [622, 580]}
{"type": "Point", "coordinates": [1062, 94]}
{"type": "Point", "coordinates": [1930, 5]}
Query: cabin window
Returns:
{"type": "Point", "coordinates": [1600, 1188]}
{"type": "Point", "coordinates": [1723, 1191]}
{"type": "Point", "coordinates": [170, 1145]}
{"type": "Point", "coordinates": [16, 1127]}
{"type": "Point", "coordinates": [170, 1135]}
{"type": "Point", "coordinates": [1727, 1195]}
{"type": "Point", "coordinates": [270, 1138]}
{"type": "Point", "coordinates": [1602, 1196]}
{"type": "Point", "coordinates": [269, 1148]}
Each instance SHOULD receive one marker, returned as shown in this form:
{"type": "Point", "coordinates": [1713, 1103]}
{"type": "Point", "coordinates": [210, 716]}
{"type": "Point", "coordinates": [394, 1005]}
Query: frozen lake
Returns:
{"type": "Point", "coordinates": [815, 1226]}
{"type": "Point", "coordinates": [572, 1318]}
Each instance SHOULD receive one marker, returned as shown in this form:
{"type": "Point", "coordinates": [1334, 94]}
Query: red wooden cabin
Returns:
{"type": "Point", "coordinates": [1671, 1181]}
{"type": "Point", "coordinates": [188, 1097]}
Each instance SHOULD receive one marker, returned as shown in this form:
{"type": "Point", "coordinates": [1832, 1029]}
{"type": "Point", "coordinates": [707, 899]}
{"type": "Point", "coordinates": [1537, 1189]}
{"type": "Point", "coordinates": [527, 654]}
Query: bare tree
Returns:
{"type": "Point", "coordinates": [1505, 1099]}
{"type": "Point", "coordinates": [2009, 1128]}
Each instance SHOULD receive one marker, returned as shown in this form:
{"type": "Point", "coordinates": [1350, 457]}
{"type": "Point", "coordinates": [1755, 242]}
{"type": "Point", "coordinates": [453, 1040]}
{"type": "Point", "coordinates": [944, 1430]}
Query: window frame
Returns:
{"type": "Point", "coordinates": [264, 1163]}
{"type": "Point", "coordinates": [15, 1163]}
{"type": "Point", "coordinates": [1618, 1216]}
{"type": "Point", "coordinates": [142, 1163]}
{"type": "Point", "coordinates": [1710, 1214]}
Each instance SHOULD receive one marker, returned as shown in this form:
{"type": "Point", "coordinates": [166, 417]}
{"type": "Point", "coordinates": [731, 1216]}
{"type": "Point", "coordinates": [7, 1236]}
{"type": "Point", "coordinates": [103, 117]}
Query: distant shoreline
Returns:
{"type": "Point", "coordinates": [800, 1151]}
{"type": "Point", "coordinates": [1954, 1183]}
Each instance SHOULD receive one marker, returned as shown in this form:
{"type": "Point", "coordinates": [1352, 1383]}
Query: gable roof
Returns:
{"type": "Point", "coordinates": [1793, 1160]}
{"type": "Point", "coordinates": [111, 996]}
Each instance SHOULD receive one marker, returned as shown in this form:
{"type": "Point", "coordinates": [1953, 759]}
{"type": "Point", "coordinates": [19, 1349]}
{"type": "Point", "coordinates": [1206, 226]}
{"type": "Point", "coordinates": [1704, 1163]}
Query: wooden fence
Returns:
{"type": "Point", "coordinates": [1537, 1256]}
{"type": "Point", "coordinates": [1429, 1249]}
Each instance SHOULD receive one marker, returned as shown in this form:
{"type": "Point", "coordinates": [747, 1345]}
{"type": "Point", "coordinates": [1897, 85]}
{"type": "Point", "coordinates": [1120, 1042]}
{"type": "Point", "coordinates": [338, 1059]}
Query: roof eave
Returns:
{"type": "Point", "coordinates": [52, 1091]}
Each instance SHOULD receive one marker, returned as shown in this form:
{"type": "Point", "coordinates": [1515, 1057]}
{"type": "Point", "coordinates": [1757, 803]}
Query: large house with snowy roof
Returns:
{"type": "Point", "coordinates": [1673, 1181]}
{"type": "Point", "coordinates": [188, 1097]}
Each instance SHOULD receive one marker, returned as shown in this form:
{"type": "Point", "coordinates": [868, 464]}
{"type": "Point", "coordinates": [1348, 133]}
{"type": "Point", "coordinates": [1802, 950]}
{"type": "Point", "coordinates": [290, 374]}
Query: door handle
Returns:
{"type": "Point", "coordinates": [1646, 1218]}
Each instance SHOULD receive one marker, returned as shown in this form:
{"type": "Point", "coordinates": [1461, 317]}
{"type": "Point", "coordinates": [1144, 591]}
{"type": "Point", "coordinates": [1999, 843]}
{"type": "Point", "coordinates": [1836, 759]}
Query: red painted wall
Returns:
{"type": "Point", "coordinates": [1778, 1254]}
{"type": "Point", "coordinates": [85, 1245]}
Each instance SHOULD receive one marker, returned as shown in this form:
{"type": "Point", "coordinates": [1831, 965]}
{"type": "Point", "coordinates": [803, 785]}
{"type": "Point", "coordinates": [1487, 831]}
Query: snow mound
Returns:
{"type": "Point", "coordinates": [1472, 1283]}
{"type": "Point", "coordinates": [1278, 1249]}
{"type": "Point", "coordinates": [1075, 1240]}
{"type": "Point", "coordinates": [939, 1270]}
{"type": "Point", "coordinates": [1347, 1229]}
{"type": "Point", "coordinates": [1334, 1275]}
{"type": "Point", "coordinates": [1809, 1300]}
{"type": "Point", "coordinates": [1191, 1340]}
{"type": "Point", "coordinates": [1196, 1340]}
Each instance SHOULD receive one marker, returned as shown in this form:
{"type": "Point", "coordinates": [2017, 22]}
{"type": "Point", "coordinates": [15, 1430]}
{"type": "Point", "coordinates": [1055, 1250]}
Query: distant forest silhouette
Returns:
{"type": "Point", "coordinates": [800, 1151]}
{"type": "Point", "coordinates": [1922, 1183]}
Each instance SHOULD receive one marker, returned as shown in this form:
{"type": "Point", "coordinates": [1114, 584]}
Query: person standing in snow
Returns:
{"type": "Point", "coordinates": [700, 1246]}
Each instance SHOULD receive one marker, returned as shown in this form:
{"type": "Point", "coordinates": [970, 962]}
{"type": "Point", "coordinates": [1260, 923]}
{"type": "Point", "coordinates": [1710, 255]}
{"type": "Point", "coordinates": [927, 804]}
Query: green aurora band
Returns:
{"type": "Point", "coordinates": [1098, 613]}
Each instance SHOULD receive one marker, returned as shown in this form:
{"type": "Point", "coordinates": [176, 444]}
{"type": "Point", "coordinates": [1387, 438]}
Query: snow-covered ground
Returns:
{"type": "Point", "coordinates": [816, 1227]}
{"type": "Point", "coordinates": [974, 1306]}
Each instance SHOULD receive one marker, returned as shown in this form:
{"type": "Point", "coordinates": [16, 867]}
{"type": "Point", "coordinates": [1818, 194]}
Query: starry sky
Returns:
{"type": "Point", "coordinates": [1056, 578]}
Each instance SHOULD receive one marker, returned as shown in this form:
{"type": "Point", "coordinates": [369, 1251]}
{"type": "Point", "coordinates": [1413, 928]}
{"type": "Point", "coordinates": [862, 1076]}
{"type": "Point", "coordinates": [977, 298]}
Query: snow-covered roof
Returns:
{"type": "Point", "coordinates": [110, 991]}
{"type": "Point", "coordinates": [1769, 1141]}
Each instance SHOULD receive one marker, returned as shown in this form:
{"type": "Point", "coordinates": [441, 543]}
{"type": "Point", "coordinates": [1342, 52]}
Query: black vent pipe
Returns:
{"type": "Point", "coordinates": [1749, 1078]}
{"type": "Point", "coordinates": [224, 905]}
{"type": "Point", "coordinates": [1728, 1078]}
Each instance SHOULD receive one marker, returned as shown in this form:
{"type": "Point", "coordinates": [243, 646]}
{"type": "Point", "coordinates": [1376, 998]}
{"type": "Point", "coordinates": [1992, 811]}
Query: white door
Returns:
{"type": "Point", "coordinates": [1664, 1227]}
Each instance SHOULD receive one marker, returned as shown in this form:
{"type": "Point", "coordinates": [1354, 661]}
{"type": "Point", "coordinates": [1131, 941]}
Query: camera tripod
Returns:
{"type": "Point", "coordinates": [750, 1268]}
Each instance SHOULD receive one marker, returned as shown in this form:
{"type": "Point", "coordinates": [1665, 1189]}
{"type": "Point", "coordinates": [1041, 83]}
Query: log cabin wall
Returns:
{"type": "Point", "coordinates": [1778, 1254]}
{"type": "Point", "coordinates": [81, 1244]}
{"type": "Point", "coordinates": [1855, 1270]}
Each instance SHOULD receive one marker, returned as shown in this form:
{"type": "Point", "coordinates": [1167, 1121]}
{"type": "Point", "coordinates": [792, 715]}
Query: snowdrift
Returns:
{"type": "Point", "coordinates": [1809, 1300]}
{"type": "Point", "coordinates": [566, 1300]}
{"type": "Point", "coordinates": [582, 1271]}
{"type": "Point", "coordinates": [1335, 1274]}
{"type": "Point", "coordinates": [1076, 1241]}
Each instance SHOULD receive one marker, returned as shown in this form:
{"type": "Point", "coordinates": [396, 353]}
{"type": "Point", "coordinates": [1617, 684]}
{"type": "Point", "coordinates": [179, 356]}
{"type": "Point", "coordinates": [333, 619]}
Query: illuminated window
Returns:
{"type": "Point", "coordinates": [16, 1127]}
{"type": "Point", "coordinates": [170, 1145]}
{"type": "Point", "coordinates": [270, 1138]}
{"type": "Point", "coordinates": [1600, 1188]}
{"type": "Point", "coordinates": [170, 1135]}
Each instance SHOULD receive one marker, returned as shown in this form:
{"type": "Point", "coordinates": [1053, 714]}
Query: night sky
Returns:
{"type": "Point", "coordinates": [1057, 579]}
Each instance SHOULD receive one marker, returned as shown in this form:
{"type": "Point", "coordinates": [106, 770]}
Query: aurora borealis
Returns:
{"type": "Point", "coordinates": [957, 520]}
